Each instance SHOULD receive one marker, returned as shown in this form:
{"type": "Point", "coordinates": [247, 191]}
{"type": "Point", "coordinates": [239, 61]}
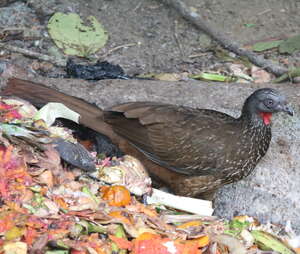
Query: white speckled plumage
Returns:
{"type": "Point", "coordinates": [207, 147]}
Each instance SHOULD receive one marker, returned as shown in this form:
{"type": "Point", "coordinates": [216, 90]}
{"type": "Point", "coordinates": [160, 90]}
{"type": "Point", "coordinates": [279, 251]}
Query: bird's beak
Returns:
{"type": "Point", "coordinates": [287, 109]}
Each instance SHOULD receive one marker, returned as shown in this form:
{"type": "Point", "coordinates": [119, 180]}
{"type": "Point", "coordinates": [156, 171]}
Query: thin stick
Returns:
{"type": "Point", "coordinates": [53, 60]}
{"type": "Point", "coordinates": [224, 41]}
{"type": "Point", "coordinates": [117, 48]}
{"type": "Point", "coordinates": [175, 218]}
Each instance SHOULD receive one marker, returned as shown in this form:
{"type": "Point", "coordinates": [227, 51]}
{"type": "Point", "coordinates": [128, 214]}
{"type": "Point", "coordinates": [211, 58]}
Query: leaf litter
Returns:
{"type": "Point", "coordinates": [50, 206]}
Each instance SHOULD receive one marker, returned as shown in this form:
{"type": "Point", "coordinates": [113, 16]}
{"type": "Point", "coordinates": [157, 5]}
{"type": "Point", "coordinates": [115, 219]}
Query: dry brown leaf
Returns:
{"type": "Point", "coordinates": [83, 203]}
{"type": "Point", "coordinates": [46, 178]}
{"type": "Point", "coordinates": [240, 71]}
{"type": "Point", "coordinates": [52, 206]}
{"type": "Point", "coordinates": [233, 244]}
{"type": "Point", "coordinates": [26, 196]}
{"type": "Point", "coordinates": [139, 227]}
{"type": "Point", "coordinates": [260, 75]}
{"type": "Point", "coordinates": [42, 212]}
{"type": "Point", "coordinates": [167, 77]}
{"type": "Point", "coordinates": [47, 166]}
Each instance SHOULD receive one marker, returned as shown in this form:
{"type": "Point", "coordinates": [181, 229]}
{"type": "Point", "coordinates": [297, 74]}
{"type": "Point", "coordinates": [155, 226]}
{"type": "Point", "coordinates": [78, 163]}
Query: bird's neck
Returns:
{"type": "Point", "coordinates": [253, 117]}
{"type": "Point", "coordinates": [254, 120]}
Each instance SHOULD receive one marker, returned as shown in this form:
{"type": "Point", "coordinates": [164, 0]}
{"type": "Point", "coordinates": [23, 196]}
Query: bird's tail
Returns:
{"type": "Point", "coordinates": [39, 95]}
{"type": "Point", "coordinates": [91, 116]}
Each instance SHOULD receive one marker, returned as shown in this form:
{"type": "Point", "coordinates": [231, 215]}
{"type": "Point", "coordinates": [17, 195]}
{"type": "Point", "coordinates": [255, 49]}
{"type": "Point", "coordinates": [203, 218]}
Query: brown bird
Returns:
{"type": "Point", "coordinates": [193, 151]}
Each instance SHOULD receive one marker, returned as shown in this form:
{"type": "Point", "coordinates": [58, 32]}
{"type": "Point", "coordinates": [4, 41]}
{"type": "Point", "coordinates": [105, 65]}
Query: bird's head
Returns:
{"type": "Point", "coordinates": [264, 102]}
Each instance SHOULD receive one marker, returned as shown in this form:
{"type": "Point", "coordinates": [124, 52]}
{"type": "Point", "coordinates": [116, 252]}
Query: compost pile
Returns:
{"type": "Point", "coordinates": [50, 204]}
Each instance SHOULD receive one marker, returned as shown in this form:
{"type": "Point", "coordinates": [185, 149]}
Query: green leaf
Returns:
{"type": "Point", "coordinates": [17, 131]}
{"type": "Point", "coordinates": [57, 252]}
{"type": "Point", "coordinates": [76, 230]}
{"type": "Point", "coordinates": [54, 110]}
{"type": "Point", "coordinates": [74, 37]}
{"type": "Point", "coordinates": [290, 45]}
{"type": "Point", "coordinates": [236, 224]}
{"type": "Point", "coordinates": [36, 188]}
{"type": "Point", "coordinates": [39, 199]}
{"type": "Point", "coordinates": [213, 77]}
{"type": "Point", "coordinates": [91, 227]}
{"type": "Point", "coordinates": [87, 191]}
{"type": "Point", "coordinates": [261, 46]}
{"type": "Point", "coordinates": [58, 245]}
{"type": "Point", "coordinates": [235, 227]}
{"type": "Point", "coordinates": [291, 74]}
{"type": "Point", "coordinates": [121, 234]}
{"type": "Point", "coordinates": [249, 25]}
{"type": "Point", "coordinates": [30, 208]}
{"type": "Point", "coordinates": [270, 242]}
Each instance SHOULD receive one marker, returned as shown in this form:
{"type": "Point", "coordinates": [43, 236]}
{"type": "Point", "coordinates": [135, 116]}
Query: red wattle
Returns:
{"type": "Point", "coordinates": [266, 116]}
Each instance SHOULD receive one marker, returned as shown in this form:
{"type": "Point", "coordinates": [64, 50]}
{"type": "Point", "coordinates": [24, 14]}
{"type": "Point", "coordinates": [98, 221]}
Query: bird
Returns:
{"type": "Point", "coordinates": [192, 151]}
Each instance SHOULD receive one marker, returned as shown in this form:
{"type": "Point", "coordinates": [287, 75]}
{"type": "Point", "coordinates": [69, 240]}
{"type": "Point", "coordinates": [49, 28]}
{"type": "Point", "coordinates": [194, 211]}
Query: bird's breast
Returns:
{"type": "Point", "coordinates": [251, 146]}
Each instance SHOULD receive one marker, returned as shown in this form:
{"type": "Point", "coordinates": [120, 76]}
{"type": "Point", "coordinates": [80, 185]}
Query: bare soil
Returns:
{"type": "Point", "coordinates": [161, 41]}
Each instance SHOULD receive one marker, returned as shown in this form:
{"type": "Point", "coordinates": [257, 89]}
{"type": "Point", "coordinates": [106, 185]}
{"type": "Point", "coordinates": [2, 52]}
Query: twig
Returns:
{"type": "Point", "coordinates": [119, 47]}
{"type": "Point", "coordinates": [197, 55]}
{"type": "Point", "coordinates": [264, 12]}
{"type": "Point", "coordinates": [225, 42]}
{"type": "Point", "coordinates": [175, 218]}
{"type": "Point", "coordinates": [177, 39]}
{"type": "Point", "coordinates": [53, 60]}
{"type": "Point", "coordinates": [138, 6]}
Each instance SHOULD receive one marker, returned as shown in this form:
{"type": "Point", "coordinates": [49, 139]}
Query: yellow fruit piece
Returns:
{"type": "Point", "coordinates": [201, 241]}
{"type": "Point", "coordinates": [195, 223]}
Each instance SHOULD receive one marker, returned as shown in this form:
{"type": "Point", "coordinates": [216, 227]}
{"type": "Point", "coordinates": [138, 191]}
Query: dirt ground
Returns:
{"type": "Point", "coordinates": [159, 39]}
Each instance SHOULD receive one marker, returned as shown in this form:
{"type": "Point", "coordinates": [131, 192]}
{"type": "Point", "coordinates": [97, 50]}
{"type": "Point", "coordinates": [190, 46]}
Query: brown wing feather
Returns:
{"type": "Point", "coordinates": [124, 127]}
{"type": "Point", "coordinates": [159, 132]}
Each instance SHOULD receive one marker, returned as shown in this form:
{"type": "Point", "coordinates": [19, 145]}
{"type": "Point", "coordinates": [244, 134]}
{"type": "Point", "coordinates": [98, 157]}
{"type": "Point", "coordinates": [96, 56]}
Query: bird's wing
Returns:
{"type": "Point", "coordinates": [182, 139]}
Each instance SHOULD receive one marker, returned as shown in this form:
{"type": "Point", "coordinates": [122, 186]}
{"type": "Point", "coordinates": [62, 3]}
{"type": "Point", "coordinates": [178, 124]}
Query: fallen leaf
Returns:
{"type": "Point", "coordinates": [260, 75]}
{"type": "Point", "coordinates": [234, 245]}
{"type": "Point", "coordinates": [73, 37]}
{"type": "Point", "coordinates": [121, 242]}
{"type": "Point", "coordinates": [13, 233]}
{"type": "Point", "coordinates": [262, 46]}
{"type": "Point", "coordinates": [270, 242]}
{"type": "Point", "coordinates": [190, 224]}
{"type": "Point", "coordinates": [290, 45]}
{"type": "Point", "coordinates": [118, 215]}
{"type": "Point", "coordinates": [46, 178]}
{"type": "Point", "coordinates": [52, 206]}
{"type": "Point", "coordinates": [213, 77]}
{"type": "Point", "coordinates": [15, 248]}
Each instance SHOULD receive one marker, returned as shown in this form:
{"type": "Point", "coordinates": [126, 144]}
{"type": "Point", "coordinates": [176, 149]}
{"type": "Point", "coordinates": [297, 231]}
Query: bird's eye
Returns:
{"type": "Point", "coordinates": [269, 102]}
